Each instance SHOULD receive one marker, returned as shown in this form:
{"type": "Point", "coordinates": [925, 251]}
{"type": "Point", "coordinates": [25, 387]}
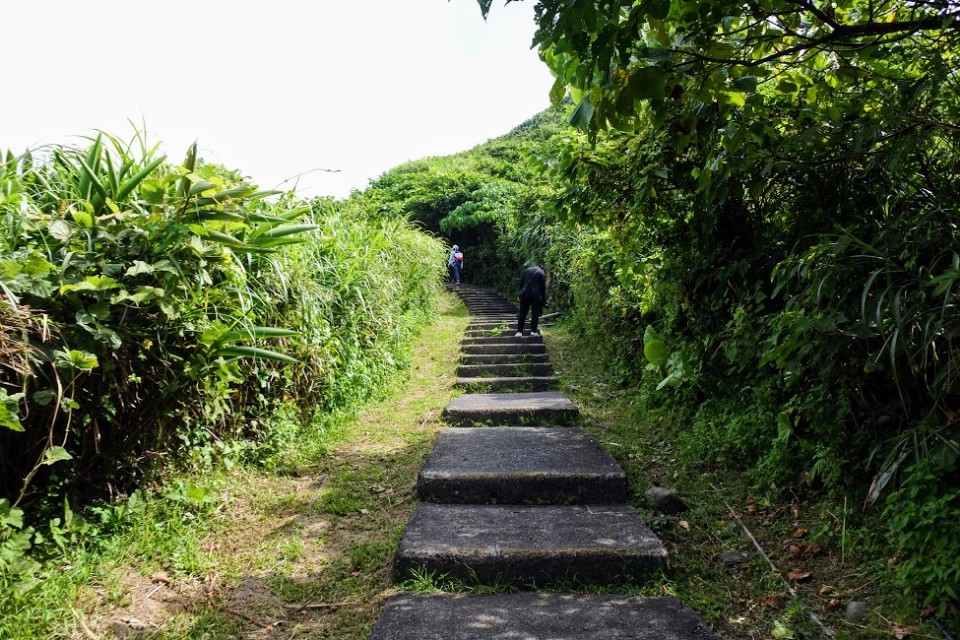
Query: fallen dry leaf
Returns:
{"type": "Point", "coordinates": [684, 525]}
{"type": "Point", "coordinates": [900, 632]}
{"type": "Point", "coordinates": [773, 601]}
{"type": "Point", "coordinates": [798, 576]}
{"type": "Point", "coordinates": [828, 590]}
{"type": "Point", "coordinates": [832, 605]}
{"type": "Point", "coordinates": [799, 532]}
{"type": "Point", "coordinates": [162, 577]}
{"type": "Point", "coordinates": [812, 549]}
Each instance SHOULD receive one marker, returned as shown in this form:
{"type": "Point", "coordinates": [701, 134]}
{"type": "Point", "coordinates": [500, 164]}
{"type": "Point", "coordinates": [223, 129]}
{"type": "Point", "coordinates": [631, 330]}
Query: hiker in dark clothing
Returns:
{"type": "Point", "coordinates": [533, 298]}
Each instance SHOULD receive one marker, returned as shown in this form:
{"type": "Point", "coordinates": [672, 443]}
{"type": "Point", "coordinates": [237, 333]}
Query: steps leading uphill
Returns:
{"type": "Point", "coordinates": [516, 494]}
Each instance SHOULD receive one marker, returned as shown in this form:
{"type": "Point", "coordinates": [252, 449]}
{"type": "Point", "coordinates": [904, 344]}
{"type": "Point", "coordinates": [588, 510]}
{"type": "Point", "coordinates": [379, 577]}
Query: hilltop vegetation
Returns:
{"type": "Point", "coordinates": [767, 243]}
{"type": "Point", "coordinates": [157, 317]}
{"type": "Point", "coordinates": [750, 212]}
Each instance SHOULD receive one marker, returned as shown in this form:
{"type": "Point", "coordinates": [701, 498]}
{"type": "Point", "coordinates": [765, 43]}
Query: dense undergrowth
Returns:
{"type": "Point", "coordinates": [157, 316]}
{"type": "Point", "coordinates": [821, 553]}
{"type": "Point", "coordinates": [797, 305]}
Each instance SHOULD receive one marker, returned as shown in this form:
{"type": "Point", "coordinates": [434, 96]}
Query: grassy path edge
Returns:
{"type": "Point", "coordinates": [303, 553]}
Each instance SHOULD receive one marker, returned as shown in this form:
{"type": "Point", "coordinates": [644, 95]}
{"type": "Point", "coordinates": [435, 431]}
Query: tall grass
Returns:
{"type": "Point", "coordinates": [154, 314]}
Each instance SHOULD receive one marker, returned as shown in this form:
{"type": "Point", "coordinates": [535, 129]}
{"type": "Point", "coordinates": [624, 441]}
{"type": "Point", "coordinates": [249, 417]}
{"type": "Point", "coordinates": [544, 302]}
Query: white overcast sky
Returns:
{"type": "Point", "coordinates": [275, 89]}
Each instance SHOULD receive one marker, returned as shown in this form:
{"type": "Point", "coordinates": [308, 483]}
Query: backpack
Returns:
{"type": "Point", "coordinates": [458, 256]}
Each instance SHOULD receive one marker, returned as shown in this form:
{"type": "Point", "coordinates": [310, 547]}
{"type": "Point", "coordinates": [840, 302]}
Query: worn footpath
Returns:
{"type": "Point", "coordinates": [516, 494]}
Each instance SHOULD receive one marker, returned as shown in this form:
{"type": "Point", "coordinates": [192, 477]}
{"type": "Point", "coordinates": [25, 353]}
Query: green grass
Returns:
{"type": "Point", "coordinates": [309, 545]}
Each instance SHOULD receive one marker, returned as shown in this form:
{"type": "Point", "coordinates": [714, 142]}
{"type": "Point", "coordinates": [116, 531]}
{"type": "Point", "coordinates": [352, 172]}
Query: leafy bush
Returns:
{"type": "Point", "coordinates": [153, 314]}
{"type": "Point", "coordinates": [131, 297]}
{"type": "Point", "coordinates": [922, 519]}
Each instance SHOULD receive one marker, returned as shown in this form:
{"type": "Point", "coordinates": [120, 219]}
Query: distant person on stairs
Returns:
{"type": "Point", "coordinates": [455, 264]}
{"type": "Point", "coordinates": [533, 298]}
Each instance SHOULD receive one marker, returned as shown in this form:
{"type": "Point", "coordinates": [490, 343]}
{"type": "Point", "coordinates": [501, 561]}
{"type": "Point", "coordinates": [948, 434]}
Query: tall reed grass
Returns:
{"type": "Point", "coordinates": [155, 314]}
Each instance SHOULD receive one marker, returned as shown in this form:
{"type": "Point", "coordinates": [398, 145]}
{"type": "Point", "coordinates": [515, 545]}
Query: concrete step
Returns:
{"type": "Point", "coordinates": [537, 616]}
{"type": "Point", "coordinates": [515, 384]}
{"type": "Point", "coordinates": [494, 317]}
{"type": "Point", "coordinates": [505, 322]}
{"type": "Point", "coordinates": [489, 333]}
{"type": "Point", "coordinates": [504, 339]}
{"type": "Point", "coordinates": [503, 307]}
{"type": "Point", "coordinates": [510, 369]}
{"type": "Point", "coordinates": [530, 545]}
{"type": "Point", "coordinates": [499, 313]}
{"type": "Point", "coordinates": [509, 321]}
{"type": "Point", "coordinates": [474, 294]}
{"type": "Point", "coordinates": [502, 358]}
{"type": "Point", "coordinates": [521, 465]}
{"type": "Point", "coordinates": [540, 408]}
{"type": "Point", "coordinates": [495, 331]}
{"type": "Point", "coordinates": [516, 348]}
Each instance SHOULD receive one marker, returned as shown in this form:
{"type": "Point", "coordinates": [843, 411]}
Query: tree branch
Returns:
{"type": "Point", "coordinates": [839, 35]}
{"type": "Point", "coordinates": [809, 6]}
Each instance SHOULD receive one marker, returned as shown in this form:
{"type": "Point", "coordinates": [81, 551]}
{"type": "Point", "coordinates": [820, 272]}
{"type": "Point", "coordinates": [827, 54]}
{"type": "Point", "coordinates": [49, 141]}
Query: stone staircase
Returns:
{"type": "Point", "coordinates": [515, 492]}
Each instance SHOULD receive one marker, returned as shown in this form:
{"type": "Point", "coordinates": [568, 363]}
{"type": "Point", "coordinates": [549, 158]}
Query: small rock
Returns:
{"type": "Point", "coordinates": [857, 610]}
{"type": "Point", "coordinates": [665, 500]}
{"type": "Point", "coordinates": [134, 623]}
{"type": "Point", "coordinates": [732, 558]}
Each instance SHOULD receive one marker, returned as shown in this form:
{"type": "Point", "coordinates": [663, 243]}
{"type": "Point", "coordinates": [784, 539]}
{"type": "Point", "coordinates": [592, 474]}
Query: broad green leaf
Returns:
{"type": "Point", "coordinates": [286, 230]}
{"type": "Point", "coordinates": [201, 186]}
{"type": "Point", "coordinates": [82, 218]}
{"type": "Point", "coordinates": [189, 164]}
{"type": "Point", "coordinates": [234, 192]}
{"type": "Point", "coordinates": [139, 267]}
{"type": "Point", "coordinates": [92, 283]}
{"type": "Point", "coordinates": [558, 91]}
{"type": "Point", "coordinates": [10, 516]}
{"type": "Point", "coordinates": [746, 84]}
{"type": "Point", "coordinates": [218, 216]}
{"type": "Point", "coordinates": [55, 454]}
{"type": "Point", "coordinates": [255, 352]}
{"type": "Point", "coordinates": [787, 86]}
{"type": "Point", "coordinates": [10, 410]}
{"type": "Point", "coordinates": [272, 332]}
{"type": "Point", "coordinates": [647, 83]}
{"type": "Point", "coordinates": [99, 310]}
{"type": "Point", "coordinates": [291, 215]}
{"type": "Point", "coordinates": [582, 114]}
{"type": "Point", "coordinates": [37, 265]}
{"type": "Point", "coordinates": [75, 359]}
{"type": "Point", "coordinates": [44, 397]}
{"type": "Point", "coordinates": [657, 9]}
{"type": "Point", "coordinates": [141, 295]}
{"type": "Point", "coordinates": [784, 428]}
{"type": "Point", "coordinates": [654, 348]}
{"type": "Point", "coordinates": [222, 238]}
{"type": "Point", "coordinates": [248, 333]}
{"type": "Point", "coordinates": [137, 178]}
